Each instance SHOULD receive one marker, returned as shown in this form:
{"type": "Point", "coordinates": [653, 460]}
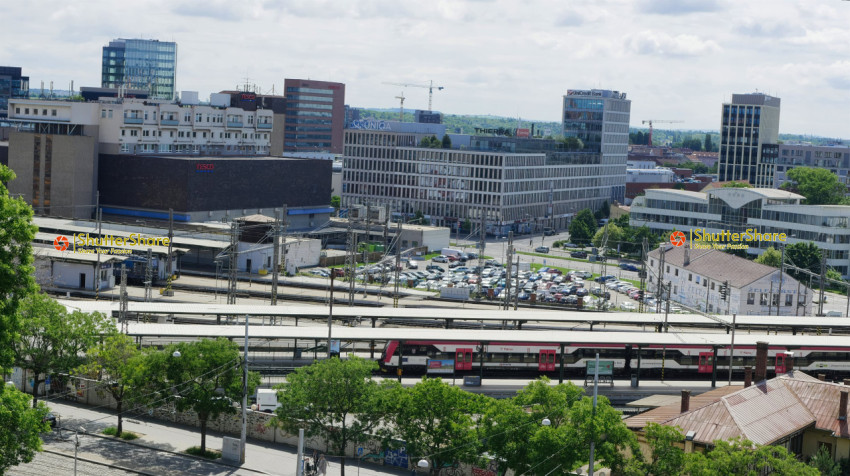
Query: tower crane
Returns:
{"type": "Point", "coordinates": [401, 109]}
{"type": "Point", "coordinates": [430, 87]}
{"type": "Point", "coordinates": [650, 121]}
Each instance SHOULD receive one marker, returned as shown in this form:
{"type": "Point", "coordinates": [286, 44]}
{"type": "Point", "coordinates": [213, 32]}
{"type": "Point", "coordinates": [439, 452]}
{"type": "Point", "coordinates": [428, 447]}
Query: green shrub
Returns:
{"type": "Point", "coordinates": [208, 454]}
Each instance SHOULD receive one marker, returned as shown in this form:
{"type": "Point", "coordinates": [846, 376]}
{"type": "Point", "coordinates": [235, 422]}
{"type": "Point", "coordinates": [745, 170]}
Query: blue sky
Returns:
{"type": "Point", "coordinates": [676, 59]}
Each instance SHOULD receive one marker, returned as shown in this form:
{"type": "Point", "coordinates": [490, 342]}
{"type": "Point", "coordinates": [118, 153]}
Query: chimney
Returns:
{"type": "Point", "coordinates": [761, 361]}
{"type": "Point", "coordinates": [748, 376]}
{"type": "Point", "coordinates": [686, 401]}
{"type": "Point", "coordinates": [687, 255]}
{"type": "Point", "coordinates": [822, 377]}
{"type": "Point", "coordinates": [789, 361]}
{"type": "Point", "coordinates": [847, 381]}
{"type": "Point", "coordinates": [842, 406]}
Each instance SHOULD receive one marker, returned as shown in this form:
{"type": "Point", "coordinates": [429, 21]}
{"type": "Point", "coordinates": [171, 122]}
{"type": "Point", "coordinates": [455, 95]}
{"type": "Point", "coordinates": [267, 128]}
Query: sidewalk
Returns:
{"type": "Point", "coordinates": [158, 449]}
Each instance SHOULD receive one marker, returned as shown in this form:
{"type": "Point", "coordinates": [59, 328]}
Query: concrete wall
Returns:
{"type": "Point", "coordinates": [58, 274]}
{"type": "Point", "coordinates": [300, 253]}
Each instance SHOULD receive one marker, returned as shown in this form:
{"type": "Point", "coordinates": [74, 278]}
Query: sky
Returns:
{"type": "Point", "coordinates": [675, 59]}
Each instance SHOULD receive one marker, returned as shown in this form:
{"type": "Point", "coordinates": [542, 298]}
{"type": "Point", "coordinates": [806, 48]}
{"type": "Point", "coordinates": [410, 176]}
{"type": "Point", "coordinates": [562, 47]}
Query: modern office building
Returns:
{"type": "Point", "coordinates": [12, 85]}
{"type": "Point", "coordinates": [762, 210]}
{"type": "Point", "coordinates": [835, 158]}
{"type": "Point", "coordinates": [314, 117]}
{"type": "Point", "coordinates": [515, 183]}
{"type": "Point", "coordinates": [749, 136]}
{"type": "Point", "coordinates": [600, 118]}
{"type": "Point", "coordinates": [141, 64]}
{"type": "Point", "coordinates": [695, 277]}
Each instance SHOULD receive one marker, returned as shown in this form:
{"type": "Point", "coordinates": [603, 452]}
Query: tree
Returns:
{"type": "Point", "coordinates": [435, 421]}
{"type": "Point", "coordinates": [803, 255]}
{"type": "Point", "coordinates": [615, 236]}
{"type": "Point", "coordinates": [707, 145]}
{"type": "Point", "coordinates": [743, 457]}
{"type": "Point", "coordinates": [336, 400]}
{"type": "Point", "coordinates": [737, 185]}
{"type": "Point", "coordinates": [819, 186]}
{"type": "Point", "coordinates": [516, 437]}
{"type": "Point", "coordinates": [582, 227]}
{"type": "Point", "coordinates": [114, 360]}
{"type": "Point", "coordinates": [336, 201]}
{"type": "Point", "coordinates": [53, 341]}
{"type": "Point", "coordinates": [446, 143]}
{"type": "Point", "coordinates": [16, 269]}
{"type": "Point", "coordinates": [770, 257]}
{"type": "Point", "coordinates": [21, 426]}
{"type": "Point", "coordinates": [693, 143]}
{"type": "Point", "coordinates": [573, 143]}
{"type": "Point", "coordinates": [666, 457]}
{"type": "Point", "coordinates": [606, 429]}
{"type": "Point", "coordinates": [205, 377]}
{"type": "Point", "coordinates": [823, 462]}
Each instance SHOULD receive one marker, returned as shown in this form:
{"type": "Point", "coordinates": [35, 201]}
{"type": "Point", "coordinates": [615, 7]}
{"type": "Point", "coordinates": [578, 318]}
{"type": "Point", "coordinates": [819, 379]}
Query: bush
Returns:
{"type": "Point", "coordinates": [208, 454]}
{"type": "Point", "coordinates": [125, 435]}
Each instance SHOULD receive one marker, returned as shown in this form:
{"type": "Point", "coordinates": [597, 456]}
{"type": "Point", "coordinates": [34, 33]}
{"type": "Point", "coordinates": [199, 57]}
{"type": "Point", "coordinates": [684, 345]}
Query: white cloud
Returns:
{"type": "Point", "coordinates": [659, 43]}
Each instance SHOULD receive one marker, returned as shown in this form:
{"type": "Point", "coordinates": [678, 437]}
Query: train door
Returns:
{"type": "Point", "coordinates": [546, 361]}
{"type": "Point", "coordinates": [706, 362]}
{"type": "Point", "coordinates": [463, 359]}
{"type": "Point", "coordinates": [780, 363]}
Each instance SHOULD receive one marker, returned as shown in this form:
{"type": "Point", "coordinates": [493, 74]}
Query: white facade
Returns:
{"type": "Point", "coordinates": [835, 158]}
{"type": "Point", "coordinates": [655, 175]}
{"type": "Point", "coordinates": [640, 164]}
{"type": "Point", "coordinates": [736, 209]}
{"type": "Point", "coordinates": [69, 270]}
{"type": "Point", "coordinates": [299, 253]}
{"type": "Point", "coordinates": [136, 126]}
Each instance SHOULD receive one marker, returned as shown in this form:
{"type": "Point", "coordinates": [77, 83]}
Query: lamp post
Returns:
{"type": "Point", "coordinates": [243, 440]}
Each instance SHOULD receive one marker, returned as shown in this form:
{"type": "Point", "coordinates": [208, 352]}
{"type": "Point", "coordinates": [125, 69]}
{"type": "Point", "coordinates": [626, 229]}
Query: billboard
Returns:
{"type": "Point", "coordinates": [441, 366]}
{"type": "Point", "coordinates": [606, 367]}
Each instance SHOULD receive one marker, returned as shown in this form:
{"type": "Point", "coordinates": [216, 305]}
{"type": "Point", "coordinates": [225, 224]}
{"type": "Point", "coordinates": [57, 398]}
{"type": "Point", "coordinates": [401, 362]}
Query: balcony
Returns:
{"type": "Point", "coordinates": [234, 124]}
{"type": "Point", "coordinates": [264, 126]}
{"type": "Point", "coordinates": [169, 122]}
{"type": "Point", "coordinates": [133, 120]}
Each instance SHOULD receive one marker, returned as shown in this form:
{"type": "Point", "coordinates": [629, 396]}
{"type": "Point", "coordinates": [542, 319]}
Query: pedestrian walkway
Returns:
{"type": "Point", "coordinates": [158, 450]}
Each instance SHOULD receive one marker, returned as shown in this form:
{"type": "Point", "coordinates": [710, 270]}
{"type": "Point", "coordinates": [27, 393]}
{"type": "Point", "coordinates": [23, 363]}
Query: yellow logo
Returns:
{"type": "Point", "coordinates": [116, 245]}
{"type": "Point", "coordinates": [702, 239]}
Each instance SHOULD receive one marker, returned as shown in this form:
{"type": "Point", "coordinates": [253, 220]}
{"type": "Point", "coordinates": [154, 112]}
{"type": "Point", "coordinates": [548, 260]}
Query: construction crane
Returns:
{"type": "Point", "coordinates": [650, 121]}
{"type": "Point", "coordinates": [401, 109]}
{"type": "Point", "coordinates": [430, 87]}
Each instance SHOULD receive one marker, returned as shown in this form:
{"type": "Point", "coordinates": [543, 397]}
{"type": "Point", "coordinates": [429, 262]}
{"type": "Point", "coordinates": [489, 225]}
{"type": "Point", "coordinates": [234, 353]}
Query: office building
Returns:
{"type": "Point", "coordinates": [749, 136]}
{"type": "Point", "coordinates": [600, 118]}
{"type": "Point", "coordinates": [314, 117]}
{"type": "Point", "coordinates": [12, 85]}
{"type": "Point", "coordinates": [141, 64]}
{"type": "Point", "coordinates": [763, 210]}
{"type": "Point", "coordinates": [835, 158]}
{"type": "Point", "coordinates": [517, 184]}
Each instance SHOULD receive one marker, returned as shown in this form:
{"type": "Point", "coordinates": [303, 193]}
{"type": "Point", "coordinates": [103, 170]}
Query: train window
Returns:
{"type": "Point", "coordinates": [514, 358]}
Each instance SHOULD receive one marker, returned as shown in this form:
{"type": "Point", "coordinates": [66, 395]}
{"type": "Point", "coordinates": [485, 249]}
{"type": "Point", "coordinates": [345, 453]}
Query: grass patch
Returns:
{"type": "Point", "coordinates": [125, 435]}
{"type": "Point", "coordinates": [551, 256]}
{"type": "Point", "coordinates": [208, 454]}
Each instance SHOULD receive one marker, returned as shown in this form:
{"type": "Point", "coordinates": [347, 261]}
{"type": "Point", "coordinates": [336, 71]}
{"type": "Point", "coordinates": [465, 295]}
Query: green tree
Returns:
{"type": "Point", "coordinates": [823, 462]}
{"type": "Point", "coordinates": [666, 457]}
{"type": "Point", "coordinates": [516, 437]}
{"type": "Point", "coordinates": [803, 255]}
{"type": "Point", "coordinates": [693, 143]}
{"type": "Point", "coordinates": [737, 185]}
{"type": "Point", "coordinates": [53, 341]}
{"type": "Point", "coordinates": [573, 143]}
{"type": "Point", "coordinates": [16, 268]}
{"type": "Point", "coordinates": [336, 400]}
{"type": "Point", "coordinates": [114, 360]}
{"type": "Point", "coordinates": [21, 426]}
{"type": "Point", "coordinates": [435, 420]}
{"type": "Point", "coordinates": [819, 186]}
{"type": "Point", "coordinates": [446, 143]}
{"type": "Point", "coordinates": [606, 429]}
{"type": "Point", "coordinates": [583, 227]}
{"type": "Point", "coordinates": [707, 145]}
{"type": "Point", "coordinates": [741, 457]}
{"type": "Point", "coordinates": [615, 236]}
{"type": "Point", "coordinates": [336, 201]}
{"type": "Point", "coordinates": [420, 219]}
{"type": "Point", "coordinates": [770, 257]}
{"type": "Point", "coordinates": [206, 377]}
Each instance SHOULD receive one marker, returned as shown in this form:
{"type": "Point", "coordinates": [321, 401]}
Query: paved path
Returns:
{"type": "Point", "coordinates": [154, 452]}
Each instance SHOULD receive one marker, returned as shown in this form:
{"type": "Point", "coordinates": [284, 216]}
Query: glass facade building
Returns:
{"type": "Point", "coordinates": [749, 133]}
{"type": "Point", "coordinates": [141, 64]}
{"type": "Point", "coordinates": [12, 85]}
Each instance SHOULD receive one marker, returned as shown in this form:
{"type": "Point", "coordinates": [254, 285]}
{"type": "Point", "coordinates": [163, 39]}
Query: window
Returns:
{"type": "Point", "coordinates": [44, 112]}
{"type": "Point", "coordinates": [712, 285]}
{"type": "Point", "coordinates": [676, 272]}
{"type": "Point", "coordinates": [26, 110]}
{"type": "Point", "coordinates": [691, 277]}
{"type": "Point", "coordinates": [122, 132]}
{"type": "Point", "coordinates": [675, 289]}
{"type": "Point", "coordinates": [775, 300]}
{"type": "Point", "coordinates": [109, 113]}
{"type": "Point", "coordinates": [53, 112]}
{"type": "Point", "coordinates": [35, 112]}
{"type": "Point", "coordinates": [697, 281]}
{"type": "Point", "coordinates": [789, 299]}
{"type": "Point", "coordinates": [763, 299]}
{"type": "Point", "coordinates": [17, 110]}
{"type": "Point", "coordinates": [751, 298]}
{"type": "Point", "coordinates": [668, 269]}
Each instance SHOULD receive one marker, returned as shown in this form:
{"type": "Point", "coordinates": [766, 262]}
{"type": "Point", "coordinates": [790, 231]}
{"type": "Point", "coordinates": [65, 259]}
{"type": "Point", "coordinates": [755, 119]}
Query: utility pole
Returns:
{"type": "Point", "coordinates": [397, 268]}
{"type": "Point", "coordinates": [122, 299]}
{"type": "Point", "coordinates": [781, 276]}
{"type": "Point", "coordinates": [351, 258]}
{"type": "Point", "coordinates": [643, 253]}
{"type": "Point", "coordinates": [602, 256]}
{"type": "Point", "coordinates": [243, 440]}
{"type": "Point", "coordinates": [508, 263]}
{"type": "Point", "coordinates": [482, 232]}
{"type": "Point", "coordinates": [660, 284]}
{"type": "Point", "coordinates": [170, 239]}
{"type": "Point", "coordinates": [770, 300]}
{"type": "Point", "coordinates": [97, 266]}
{"type": "Point", "coordinates": [822, 281]}
{"type": "Point", "coordinates": [516, 294]}
{"type": "Point", "coordinates": [231, 282]}
{"type": "Point", "coordinates": [732, 348]}
{"type": "Point", "coordinates": [149, 276]}
{"type": "Point", "coordinates": [276, 255]}
{"type": "Point", "coordinates": [366, 248]}
{"type": "Point", "coordinates": [667, 307]}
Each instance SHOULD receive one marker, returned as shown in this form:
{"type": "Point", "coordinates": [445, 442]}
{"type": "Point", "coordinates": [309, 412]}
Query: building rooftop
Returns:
{"type": "Point", "coordinates": [672, 406]}
{"type": "Point", "coordinates": [42, 252]}
{"type": "Point", "coordinates": [716, 265]}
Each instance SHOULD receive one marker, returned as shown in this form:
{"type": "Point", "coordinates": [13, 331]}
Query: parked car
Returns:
{"type": "Point", "coordinates": [440, 259]}
{"type": "Point", "coordinates": [549, 231]}
{"type": "Point", "coordinates": [433, 267]}
{"type": "Point", "coordinates": [570, 245]}
{"type": "Point", "coordinates": [604, 279]}
{"type": "Point", "coordinates": [579, 254]}
{"type": "Point", "coordinates": [628, 267]}
{"type": "Point", "coordinates": [583, 274]}
{"type": "Point", "coordinates": [541, 249]}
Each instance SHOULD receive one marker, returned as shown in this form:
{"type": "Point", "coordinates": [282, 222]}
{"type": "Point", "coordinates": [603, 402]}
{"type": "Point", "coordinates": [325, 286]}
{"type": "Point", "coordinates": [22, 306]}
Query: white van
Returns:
{"type": "Point", "coordinates": [267, 400]}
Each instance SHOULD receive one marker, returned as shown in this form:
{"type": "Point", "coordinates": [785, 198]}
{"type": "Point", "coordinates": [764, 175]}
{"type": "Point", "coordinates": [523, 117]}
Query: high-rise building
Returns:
{"type": "Point", "coordinates": [314, 116]}
{"type": "Point", "coordinates": [749, 133]}
{"type": "Point", "coordinates": [600, 119]}
{"type": "Point", "coordinates": [141, 64]}
{"type": "Point", "coordinates": [12, 85]}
